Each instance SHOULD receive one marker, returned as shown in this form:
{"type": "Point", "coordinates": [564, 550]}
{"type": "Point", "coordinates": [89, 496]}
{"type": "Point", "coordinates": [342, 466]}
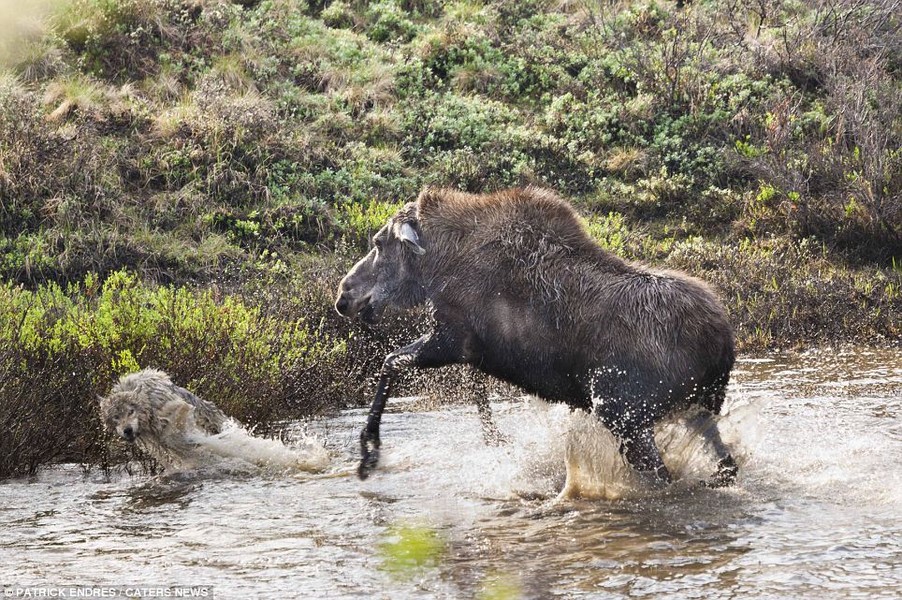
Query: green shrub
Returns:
{"type": "Point", "coordinates": [338, 14]}
{"type": "Point", "coordinates": [114, 38]}
{"type": "Point", "coordinates": [389, 22]}
{"type": "Point", "coordinates": [777, 291]}
{"type": "Point", "coordinates": [260, 362]}
{"type": "Point", "coordinates": [610, 231]}
{"type": "Point", "coordinates": [468, 142]}
{"type": "Point", "coordinates": [361, 221]}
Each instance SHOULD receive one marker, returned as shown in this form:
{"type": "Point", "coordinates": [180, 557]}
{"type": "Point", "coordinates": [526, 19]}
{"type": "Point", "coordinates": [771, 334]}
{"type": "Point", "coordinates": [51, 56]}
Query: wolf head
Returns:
{"type": "Point", "coordinates": [124, 415]}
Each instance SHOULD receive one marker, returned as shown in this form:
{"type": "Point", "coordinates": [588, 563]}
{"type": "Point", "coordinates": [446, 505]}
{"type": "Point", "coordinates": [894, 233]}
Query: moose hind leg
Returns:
{"type": "Point", "coordinates": [490, 432]}
{"type": "Point", "coordinates": [727, 469]}
{"type": "Point", "coordinates": [637, 439]}
{"type": "Point", "coordinates": [642, 454]}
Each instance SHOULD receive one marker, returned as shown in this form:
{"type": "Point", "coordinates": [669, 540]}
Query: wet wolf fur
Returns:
{"type": "Point", "coordinates": [520, 291]}
{"type": "Point", "coordinates": [148, 409]}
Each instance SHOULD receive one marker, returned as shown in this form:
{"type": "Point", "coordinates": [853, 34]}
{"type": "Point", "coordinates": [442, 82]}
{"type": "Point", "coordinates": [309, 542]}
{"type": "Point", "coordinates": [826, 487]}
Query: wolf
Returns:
{"type": "Point", "coordinates": [163, 419]}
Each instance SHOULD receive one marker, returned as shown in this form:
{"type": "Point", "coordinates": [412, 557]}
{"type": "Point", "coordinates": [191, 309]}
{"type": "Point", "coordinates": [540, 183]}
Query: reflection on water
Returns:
{"type": "Point", "coordinates": [176, 493]}
{"type": "Point", "coordinates": [815, 512]}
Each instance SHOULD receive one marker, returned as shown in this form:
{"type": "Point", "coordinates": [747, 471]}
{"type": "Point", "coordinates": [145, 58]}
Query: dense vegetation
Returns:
{"type": "Point", "coordinates": [183, 181]}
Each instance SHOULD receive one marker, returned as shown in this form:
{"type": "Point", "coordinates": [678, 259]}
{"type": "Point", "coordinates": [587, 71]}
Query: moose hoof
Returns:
{"type": "Point", "coordinates": [657, 478]}
{"type": "Point", "coordinates": [368, 464]}
{"type": "Point", "coordinates": [726, 473]}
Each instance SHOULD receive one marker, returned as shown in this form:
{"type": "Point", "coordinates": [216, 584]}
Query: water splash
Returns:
{"type": "Point", "coordinates": [814, 514]}
{"type": "Point", "coordinates": [235, 449]}
{"type": "Point", "coordinates": [595, 469]}
{"type": "Point", "coordinates": [551, 453]}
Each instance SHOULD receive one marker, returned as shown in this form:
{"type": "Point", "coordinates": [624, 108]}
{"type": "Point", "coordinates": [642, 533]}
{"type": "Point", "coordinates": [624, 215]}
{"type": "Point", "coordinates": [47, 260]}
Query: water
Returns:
{"type": "Point", "coordinates": [815, 514]}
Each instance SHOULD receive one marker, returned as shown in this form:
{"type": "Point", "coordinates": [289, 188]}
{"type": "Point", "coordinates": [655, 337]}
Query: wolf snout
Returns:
{"type": "Point", "coordinates": [128, 433]}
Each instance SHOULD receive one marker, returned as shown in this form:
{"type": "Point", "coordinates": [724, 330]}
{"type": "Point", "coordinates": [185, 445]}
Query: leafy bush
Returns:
{"type": "Point", "coordinates": [361, 221]}
{"type": "Point", "coordinates": [115, 38]}
{"type": "Point", "coordinates": [389, 22]}
{"type": "Point", "coordinates": [260, 362]}
{"type": "Point", "coordinates": [776, 290]}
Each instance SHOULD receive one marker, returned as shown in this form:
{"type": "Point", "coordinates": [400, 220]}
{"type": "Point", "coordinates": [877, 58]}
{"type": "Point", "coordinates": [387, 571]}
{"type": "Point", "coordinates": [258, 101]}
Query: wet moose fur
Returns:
{"type": "Point", "coordinates": [522, 292]}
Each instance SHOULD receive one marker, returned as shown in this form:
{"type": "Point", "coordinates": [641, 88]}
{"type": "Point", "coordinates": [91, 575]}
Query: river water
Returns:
{"type": "Point", "coordinates": [816, 513]}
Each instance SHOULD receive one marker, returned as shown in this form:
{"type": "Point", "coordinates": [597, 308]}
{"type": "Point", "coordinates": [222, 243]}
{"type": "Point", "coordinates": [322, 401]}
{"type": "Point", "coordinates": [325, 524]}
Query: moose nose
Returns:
{"type": "Point", "coordinates": [342, 304]}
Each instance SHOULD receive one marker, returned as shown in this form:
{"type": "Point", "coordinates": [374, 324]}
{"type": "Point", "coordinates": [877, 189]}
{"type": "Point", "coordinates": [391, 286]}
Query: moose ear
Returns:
{"type": "Point", "coordinates": [409, 236]}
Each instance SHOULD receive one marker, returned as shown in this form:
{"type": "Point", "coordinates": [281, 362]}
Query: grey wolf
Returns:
{"type": "Point", "coordinates": [146, 408]}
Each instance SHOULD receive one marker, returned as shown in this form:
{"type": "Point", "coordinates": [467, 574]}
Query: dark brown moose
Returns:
{"type": "Point", "coordinates": [520, 291]}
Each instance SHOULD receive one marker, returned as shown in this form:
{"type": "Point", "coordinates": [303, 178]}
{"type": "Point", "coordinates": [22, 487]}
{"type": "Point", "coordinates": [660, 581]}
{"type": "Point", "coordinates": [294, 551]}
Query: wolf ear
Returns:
{"type": "Point", "coordinates": [409, 236]}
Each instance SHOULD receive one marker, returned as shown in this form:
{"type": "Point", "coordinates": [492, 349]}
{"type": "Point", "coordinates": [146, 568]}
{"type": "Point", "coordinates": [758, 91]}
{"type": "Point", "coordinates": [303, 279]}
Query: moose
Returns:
{"type": "Point", "coordinates": [519, 290]}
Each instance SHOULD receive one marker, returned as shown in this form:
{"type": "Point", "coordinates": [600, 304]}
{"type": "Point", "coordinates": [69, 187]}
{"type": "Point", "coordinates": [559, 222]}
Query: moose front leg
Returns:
{"type": "Point", "coordinates": [369, 437]}
{"type": "Point", "coordinates": [436, 349]}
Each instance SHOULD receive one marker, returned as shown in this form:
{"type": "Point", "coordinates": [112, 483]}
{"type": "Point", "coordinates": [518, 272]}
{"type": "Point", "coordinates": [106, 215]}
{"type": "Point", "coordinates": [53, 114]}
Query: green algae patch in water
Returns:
{"type": "Point", "coordinates": [410, 548]}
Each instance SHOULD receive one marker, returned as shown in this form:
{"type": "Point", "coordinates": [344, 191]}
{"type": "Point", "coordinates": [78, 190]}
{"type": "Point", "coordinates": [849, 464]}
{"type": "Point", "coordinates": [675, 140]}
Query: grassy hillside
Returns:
{"type": "Point", "coordinates": [237, 155]}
